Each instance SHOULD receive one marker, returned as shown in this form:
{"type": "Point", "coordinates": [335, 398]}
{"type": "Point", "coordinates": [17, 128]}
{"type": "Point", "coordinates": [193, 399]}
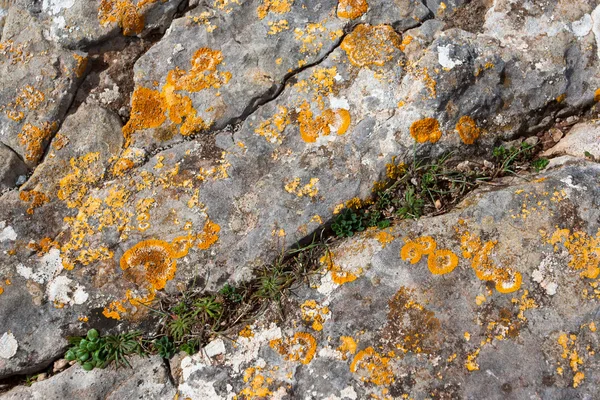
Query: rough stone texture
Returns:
{"type": "Point", "coordinates": [148, 379]}
{"type": "Point", "coordinates": [79, 24]}
{"type": "Point", "coordinates": [583, 138]}
{"type": "Point", "coordinates": [37, 83]}
{"type": "Point", "coordinates": [11, 169]}
{"type": "Point", "coordinates": [74, 238]}
{"type": "Point", "coordinates": [373, 324]}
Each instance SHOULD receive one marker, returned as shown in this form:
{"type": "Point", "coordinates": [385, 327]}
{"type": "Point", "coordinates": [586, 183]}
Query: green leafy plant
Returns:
{"type": "Point", "coordinates": [179, 326]}
{"type": "Point", "coordinates": [207, 308]}
{"type": "Point", "coordinates": [95, 351]}
{"type": "Point", "coordinates": [190, 347]}
{"type": "Point", "coordinates": [412, 206]}
{"type": "Point", "coordinates": [347, 223]}
{"type": "Point", "coordinates": [231, 294]}
{"type": "Point", "coordinates": [540, 164]}
{"type": "Point", "coordinates": [164, 347]}
{"type": "Point", "coordinates": [272, 281]}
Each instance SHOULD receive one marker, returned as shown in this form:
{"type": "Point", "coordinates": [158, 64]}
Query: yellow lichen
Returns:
{"type": "Point", "coordinates": [154, 259]}
{"type": "Point", "coordinates": [147, 111]}
{"type": "Point", "coordinates": [352, 9]}
{"type": "Point", "coordinates": [312, 128]}
{"type": "Point", "coordinates": [81, 66]}
{"type": "Point", "coordinates": [272, 128]}
{"type": "Point", "coordinates": [274, 6]}
{"type": "Point", "coordinates": [584, 250]}
{"type": "Point", "coordinates": [467, 130]}
{"type": "Point", "coordinates": [314, 313]}
{"type": "Point", "coordinates": [209, 235]}
{"type": "Point", "coordinates": [301, 347]}
{"type": "Point", "coordinates": [411, 251]}
{"type": "Point", "coordinates": [34, 138]}
{"type": "Point", "coordinates": [309, 189]}
{"type": "Point", "coordinates": [125, 13]}
{"type": "Point", "coordinates": [372, 367]}
{"type": "Point", "coordinates": [442, 262]}
{"type": "Point", "coordinates": [371, 45]}
{"type": "Point", "coordinates": [426, 130]}
{"type": "Point", "coordinates": [37, 199]}
{"type": "Point", "coordinates": [348, 346]}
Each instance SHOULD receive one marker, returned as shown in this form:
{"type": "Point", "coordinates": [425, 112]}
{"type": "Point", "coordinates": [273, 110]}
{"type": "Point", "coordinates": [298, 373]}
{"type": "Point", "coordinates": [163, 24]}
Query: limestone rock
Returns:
{"type": "Point", "coordinates": [484, 302]}
{"type": "Point", "coordinates": [11, 168]}
{"type": "Point", "coordinates": [582, 138]}
{"type": "Point", "coordinates": [146, 379]}
{"type": "Point", "coordinates": [37, 83]}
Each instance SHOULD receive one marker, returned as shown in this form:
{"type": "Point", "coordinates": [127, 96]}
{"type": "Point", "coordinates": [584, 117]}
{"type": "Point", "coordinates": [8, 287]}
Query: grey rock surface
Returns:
{"type": "Point", "coordinates": [147, 379]}
{"type": "Point", "coordinates": [387, 318]}
{"type": "Point", "coordinates": [252, 124]}
{"type": "Point", "coordinates": [11, 169]}
{"type": "Point", "coordinates": [37, 83]}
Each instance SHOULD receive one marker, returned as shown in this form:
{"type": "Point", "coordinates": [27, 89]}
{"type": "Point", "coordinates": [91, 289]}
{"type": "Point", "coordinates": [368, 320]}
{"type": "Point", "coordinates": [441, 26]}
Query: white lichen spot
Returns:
{"type": "Point", "coordinates": [248, 348]}
{"type": "Point", "coordinates": [444, 57]}
{"type": "Point", "coordinates": [339, 103]}
{"type": "Point", "coordinates": [7, 232]}
{"type": "Point", "coordinates": [569, 182]}
{"type": "Point", "coordinates": [8, 345]}
{"type": "Point", "coordinates": [56, 6]}
{"type": "Point", "coordinates": [61, 290]}
{"type": "Point", "coordinates": [543, 276]}
{"type": "Point", "coordinates": [596, 27]}
{"type": "Point", "coordinates": [349, 393]}
{"type": "Point", "coordinates": [582, 27]}
{"type": "Point", "coordinates": [49, 266]}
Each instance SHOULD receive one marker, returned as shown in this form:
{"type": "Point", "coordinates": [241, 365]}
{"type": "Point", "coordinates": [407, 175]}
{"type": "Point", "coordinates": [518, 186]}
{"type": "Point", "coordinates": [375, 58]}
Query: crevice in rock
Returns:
{"type": "Point", "coordinates": [167, 365]}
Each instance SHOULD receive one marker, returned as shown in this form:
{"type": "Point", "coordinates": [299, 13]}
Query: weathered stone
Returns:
{"type": "Point", "coordinates": [495, 299]}
{"type": "Point", "coordinates": [583, 138]}
{"type": "Point", "coordinates": [37, 84]}
{"type": "Point", "coordinates": [146, 379]}
{"type": "Point", "coordinates": [79, 24]}
{"type": "Point", "coordinates": [11, 168]}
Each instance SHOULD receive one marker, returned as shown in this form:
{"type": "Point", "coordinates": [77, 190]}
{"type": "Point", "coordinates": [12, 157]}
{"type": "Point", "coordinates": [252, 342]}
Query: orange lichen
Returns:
{"type": "Point", "coordinates": [75, 185]}
{"type": "Point", "coordinates": [309, 189]}
{"type": "Point", "coordinates": [347, 347]}
{"type": "Point", "coordinates": [209, 235]}
{"type": "Point", "coordinates": [338, 275]}
{"type": "Point", "coordinates": [274, 6]}
{"type": "Point", "coordinates": [312, 128]}
{"type": "Point", "coordinates": [506, 279]}
{"type": "Point", "coordinates": [37, 199]}
{"type": "Point", "coordinates": [584, 250]}
{"type": "Point", "coordinates": [246, 332]}
{"type": "Point", "coordinates": [570, 353]}
{"type": "Point", "coordinates": [426, 130]}
{"type": "Point", "coordinates": [272, 128]}
{"type": "Point", "coordinates": [426, 243]}
{"type": "Point", "coordinates": [259, 385]}
{"type": "Point", "coordinates": [147, 111]}
{"type": "Point", "coordinates": [312, 312]}
{"type": "Point", "coordinates": [442, 262]}
{"type": "Point", "coordinates": [123, 12]}
{"type": "Point", "coordinates": [597, 95]}
{"type": "Point", "coordinates": [352, 9]}
{"type": "Point", "coordinates": [153, 258]}
{"type": "Point", "coordinates": [202, 74]}
{"type": "Point", "coordinates": [81, 66]}
{"type": "Point", "coordinates": [372, 367]}
{"type": "Point", "coordinates": [34, 138]}
{"type": "Point", "coordinates": [181, 246]}
{"type": "Point", "coordinates": [406, 40]}
{"type": "Point", "coordinates": [508, 282]}
{"type": "Point", "coordinates": [411, 251]}
{"type": "Point", "coordinates": [384, 238]}
{"type": "Point", "coordinates": [114, 310]}
{"type": "Point", "coordinates": [467, 130]}
{"type": "Point", "coordinates": [371, 45]}
{"type": "Point", "coordinates": [302, 347]}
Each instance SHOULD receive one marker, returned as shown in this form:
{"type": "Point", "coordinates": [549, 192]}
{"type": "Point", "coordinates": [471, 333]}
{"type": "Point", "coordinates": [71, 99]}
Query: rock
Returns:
{"type": "Point", "coordinates": [11, 169]}
{"type": "Point", "coordinates": [582, 138]}
{"type": "Point", "coordinates": [59, 365]}
{"type": "Point", "coordinates": [80, 24]}
{"type": "Point", "coordinates": [386, 317]}
{"type": "Point", "coordinates": [147, 379]}
{"type": "Point", "coordinates": [37, 84]}
{"type": "Point", "coordinates": [210, 77]}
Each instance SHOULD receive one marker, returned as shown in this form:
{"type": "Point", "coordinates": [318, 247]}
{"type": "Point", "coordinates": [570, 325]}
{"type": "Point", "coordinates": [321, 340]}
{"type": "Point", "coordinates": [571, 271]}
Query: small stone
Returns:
{"type": "Point", "coordinates": [41, 377]}
{"type": "Point", "coordinates": [59, 365]}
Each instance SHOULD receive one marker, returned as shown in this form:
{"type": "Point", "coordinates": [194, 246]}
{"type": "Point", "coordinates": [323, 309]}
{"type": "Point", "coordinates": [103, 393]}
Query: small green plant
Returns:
{"type": "Point", "coordinates": [164, 347]}
{"type": "Point", "coordinates": [272, 281]}
{"type": "Point", "coordinates": [412, 207]}
{"type": "Point", "coordinates": [207, 308]}
{"type": "Point", "coordinates": [540, 164]}
{"type": "Point", "coordinates": [95, 351]}
{"type": "Point", "coordinates": [179, 326]}
{"type": "Point", "coordinates": [588, 155]}
{"type": "Point", "coordinates": [231, 294]}
{"type": "Point", "coordinates": [347, 223]}
{"type": "Point", "coordinates": [190, 347]}
{"type": "Point", "coordinates": [30, 379]}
